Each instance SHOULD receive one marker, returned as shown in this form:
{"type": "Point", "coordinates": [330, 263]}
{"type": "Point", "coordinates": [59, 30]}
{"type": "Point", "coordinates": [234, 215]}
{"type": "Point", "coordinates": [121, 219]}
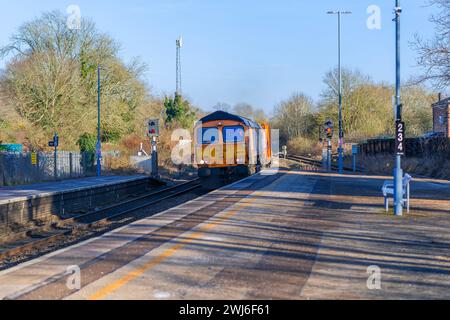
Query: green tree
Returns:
{"type": "Point", "coordinates": [51, 79]}
{"type": "Point", "coordinates": [179, 110]}
{"type": "Point", "coordinates": [87, 142]}
{"type": "Point", "coordinates": [88, 146]}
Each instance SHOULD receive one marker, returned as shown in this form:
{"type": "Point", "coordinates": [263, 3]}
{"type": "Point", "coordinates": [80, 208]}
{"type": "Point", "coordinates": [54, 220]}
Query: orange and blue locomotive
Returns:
{"type": "Point", "coordinates": [230, 147]}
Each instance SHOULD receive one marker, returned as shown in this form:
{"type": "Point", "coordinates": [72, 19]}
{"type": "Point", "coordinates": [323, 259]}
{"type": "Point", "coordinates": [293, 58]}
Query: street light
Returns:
{"type": "Point", "coordinates": [99, 138]}
{"type": "Point", "coordinates": [398, 172]}
{"type": "Point", "coordinates": [341, 129]}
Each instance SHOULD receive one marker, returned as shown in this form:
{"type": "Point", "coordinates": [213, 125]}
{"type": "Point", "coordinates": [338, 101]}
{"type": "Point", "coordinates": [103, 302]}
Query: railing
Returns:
{"type": "Point", "coordinates": [23, 168]}
{"type": "Point", "coordinates": [415, 147]}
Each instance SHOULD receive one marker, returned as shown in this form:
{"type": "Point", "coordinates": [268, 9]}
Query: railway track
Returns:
{"type": "Point", "coordinates": [317, 164]}
{"type": "Point", "coordinates": [129, 206]}
{"type": "Point", "coordinates": [49, 235]}
{"type": "Point", "coordinates": [305, 160]}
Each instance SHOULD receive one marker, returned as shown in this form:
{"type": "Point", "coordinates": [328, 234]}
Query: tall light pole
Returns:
{"type": "Point", "coordinates": [398, 172]}
{"type": "Point", "coordinates": [178, 67]}
{"type": "Point", "coordinates": [99, 138]}
{"type": "Point", "coordinates": [341, 129]}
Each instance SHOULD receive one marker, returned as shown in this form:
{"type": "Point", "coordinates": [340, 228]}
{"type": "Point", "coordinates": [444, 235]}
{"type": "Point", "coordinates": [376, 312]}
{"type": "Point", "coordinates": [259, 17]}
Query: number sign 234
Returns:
{"type": "Point", "coordinates": [400, 138]}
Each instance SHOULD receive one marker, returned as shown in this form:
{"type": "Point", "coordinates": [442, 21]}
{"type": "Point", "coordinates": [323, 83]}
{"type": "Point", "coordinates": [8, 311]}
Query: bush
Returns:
{"type": "Point", "coordinates": [130, 144]}
{"type": "Point", "coordinates": [87, 143]}
{"type": "Point", "coordinates": [302, 146]}
{"type": "Point", "coordinates": [111, 135]}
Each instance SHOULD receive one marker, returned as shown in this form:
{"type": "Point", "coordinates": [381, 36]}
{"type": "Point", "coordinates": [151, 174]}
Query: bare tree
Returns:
{"type": "Point", "coordinates": [243, 109]}
{"type": "Point", "coordinates": [295, 117]}
{"type": "Point", "coordinates": [248, 111]}
{"type": "Point", "coordinates": [367, 106]}
{"type": "Point", "coordinates": [351, 79]}
{"type": "Point", "coordinates": [51, 78]}
{"type": "Point", "coordinates": [222, 106]}
{"type": "Point", "coordinates": [434, 54]}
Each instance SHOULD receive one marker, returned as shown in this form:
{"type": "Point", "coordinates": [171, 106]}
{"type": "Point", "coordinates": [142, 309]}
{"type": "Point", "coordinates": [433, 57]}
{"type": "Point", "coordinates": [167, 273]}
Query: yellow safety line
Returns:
{"type": "Point", "coordinates": [101, 294]}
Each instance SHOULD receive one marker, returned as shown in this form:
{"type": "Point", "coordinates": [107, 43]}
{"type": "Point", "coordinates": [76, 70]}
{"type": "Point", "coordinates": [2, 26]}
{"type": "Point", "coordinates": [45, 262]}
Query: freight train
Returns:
{"type": "Point", "coordinates": [230, 147]}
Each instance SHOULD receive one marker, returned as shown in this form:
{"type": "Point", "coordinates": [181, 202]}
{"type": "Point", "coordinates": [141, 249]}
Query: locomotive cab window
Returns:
{"type": "Point", "coordinates": [233, 134]}
{"type": "Point", "coordinates": [208, 135]}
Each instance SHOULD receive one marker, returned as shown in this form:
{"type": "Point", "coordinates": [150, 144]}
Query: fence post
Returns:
{"type": "Point", "coordinates": [55, 164]}
{"type": "Point", "coordinates": [37, 173]}
{"type": "Point", "coordinates": [2, 170]}
{"type": "Point", "coordinates": [70, 164]}
{"type": "Point", "coordinates": [83, 161]}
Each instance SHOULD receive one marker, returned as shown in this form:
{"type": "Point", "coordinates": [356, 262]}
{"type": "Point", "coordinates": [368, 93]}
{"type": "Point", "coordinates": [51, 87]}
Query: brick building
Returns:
{"type": "Point", "coordinates": [441, 116]}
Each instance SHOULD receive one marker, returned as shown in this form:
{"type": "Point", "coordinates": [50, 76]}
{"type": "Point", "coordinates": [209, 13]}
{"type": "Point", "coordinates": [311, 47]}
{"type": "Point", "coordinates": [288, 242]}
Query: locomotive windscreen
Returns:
{"type": "Point", "coordinates": [233, 134]}
{"type": "Point", "coordinates": [208, 136]}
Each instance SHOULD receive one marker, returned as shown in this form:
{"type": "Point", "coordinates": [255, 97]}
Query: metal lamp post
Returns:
{"type": "Point", "coordinates": [341, 129]}
{"type": "Point", "coordinates": [398, 172]}
{"type": "Point", "coordinates": [99, 138]}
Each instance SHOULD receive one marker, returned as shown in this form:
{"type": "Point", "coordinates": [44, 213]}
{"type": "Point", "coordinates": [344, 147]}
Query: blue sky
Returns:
{"type": "Point", "coordinates": [253, 51]}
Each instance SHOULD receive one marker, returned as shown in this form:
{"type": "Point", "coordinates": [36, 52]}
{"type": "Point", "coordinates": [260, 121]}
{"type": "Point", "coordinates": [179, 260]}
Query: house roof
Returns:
{"type": "Point", "coordinates": [222, 115]}
{"type": "Point", "coordinates": [443, 103]}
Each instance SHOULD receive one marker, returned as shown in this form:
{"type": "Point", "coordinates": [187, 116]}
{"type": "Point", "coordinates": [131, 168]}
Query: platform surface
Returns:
{"type": "Point", "coordinates": [20, 193]}
{"type": "Point", "coordinates": [293, 235]}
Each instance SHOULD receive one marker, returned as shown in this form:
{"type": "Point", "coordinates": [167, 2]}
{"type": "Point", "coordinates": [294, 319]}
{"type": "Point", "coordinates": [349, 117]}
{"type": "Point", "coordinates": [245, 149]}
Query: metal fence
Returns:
{"type": "Point", "coordinates": [24, 168]}
{"type": "Point", "coordinates": [415, 147]}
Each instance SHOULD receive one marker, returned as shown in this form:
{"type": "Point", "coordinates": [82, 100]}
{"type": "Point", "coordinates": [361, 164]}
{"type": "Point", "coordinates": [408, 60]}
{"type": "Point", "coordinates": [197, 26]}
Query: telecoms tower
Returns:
{"type": "Point", "coordinates": [179, 46]}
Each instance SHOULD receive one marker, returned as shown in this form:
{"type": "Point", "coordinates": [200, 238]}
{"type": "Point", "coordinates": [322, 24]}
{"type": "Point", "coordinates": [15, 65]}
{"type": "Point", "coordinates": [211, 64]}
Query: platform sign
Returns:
{"type": "Point", "coordinates": [355, 149]}
{"type": "Point", "coordinates": [400, 138]}
{"type": "Point", "coordinates": [34, 158]}
{"type": "Point", "coordinates": [55, 142]}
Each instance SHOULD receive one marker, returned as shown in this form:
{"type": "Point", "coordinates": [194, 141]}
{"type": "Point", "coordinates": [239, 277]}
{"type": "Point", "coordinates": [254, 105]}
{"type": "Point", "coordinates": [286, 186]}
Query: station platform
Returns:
{"type": "Point", "coordinates": [32, 191]}
{"type": "Point", "coordinates": [22, 207]}
{"type": "Point", "coordinates": [287, 235]}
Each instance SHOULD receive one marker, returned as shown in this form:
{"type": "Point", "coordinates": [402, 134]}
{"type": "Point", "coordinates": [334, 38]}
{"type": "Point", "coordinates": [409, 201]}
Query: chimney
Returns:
{"type": "Point", "coordinates": [439, 97]}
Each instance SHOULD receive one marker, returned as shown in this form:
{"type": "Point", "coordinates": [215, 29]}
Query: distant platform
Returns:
{"type": "Point", "coordinates": [32, 191]}
{"type": "Point", "coordinates": [22, 207]}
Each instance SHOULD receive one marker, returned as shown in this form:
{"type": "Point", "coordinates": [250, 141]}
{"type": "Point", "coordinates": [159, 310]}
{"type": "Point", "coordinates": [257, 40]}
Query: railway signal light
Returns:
{"type": "Point", "coordinates": [153, 128]}
{"type": "Point", "coordinates": [329, 129]}
{"type": "Point", "coordinates": [153, 133]}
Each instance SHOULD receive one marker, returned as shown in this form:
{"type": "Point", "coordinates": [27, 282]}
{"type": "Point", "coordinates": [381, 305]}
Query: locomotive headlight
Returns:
{"type": "Point", "coordinates": [202, 162]}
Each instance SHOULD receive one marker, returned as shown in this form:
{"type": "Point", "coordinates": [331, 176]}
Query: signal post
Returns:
{"type": "Point", "coordinates": [55, 144]}
{"type": "Point", "coordinates": [153, 133]}
{"type": "Point", "coordinates": [329, 130]}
